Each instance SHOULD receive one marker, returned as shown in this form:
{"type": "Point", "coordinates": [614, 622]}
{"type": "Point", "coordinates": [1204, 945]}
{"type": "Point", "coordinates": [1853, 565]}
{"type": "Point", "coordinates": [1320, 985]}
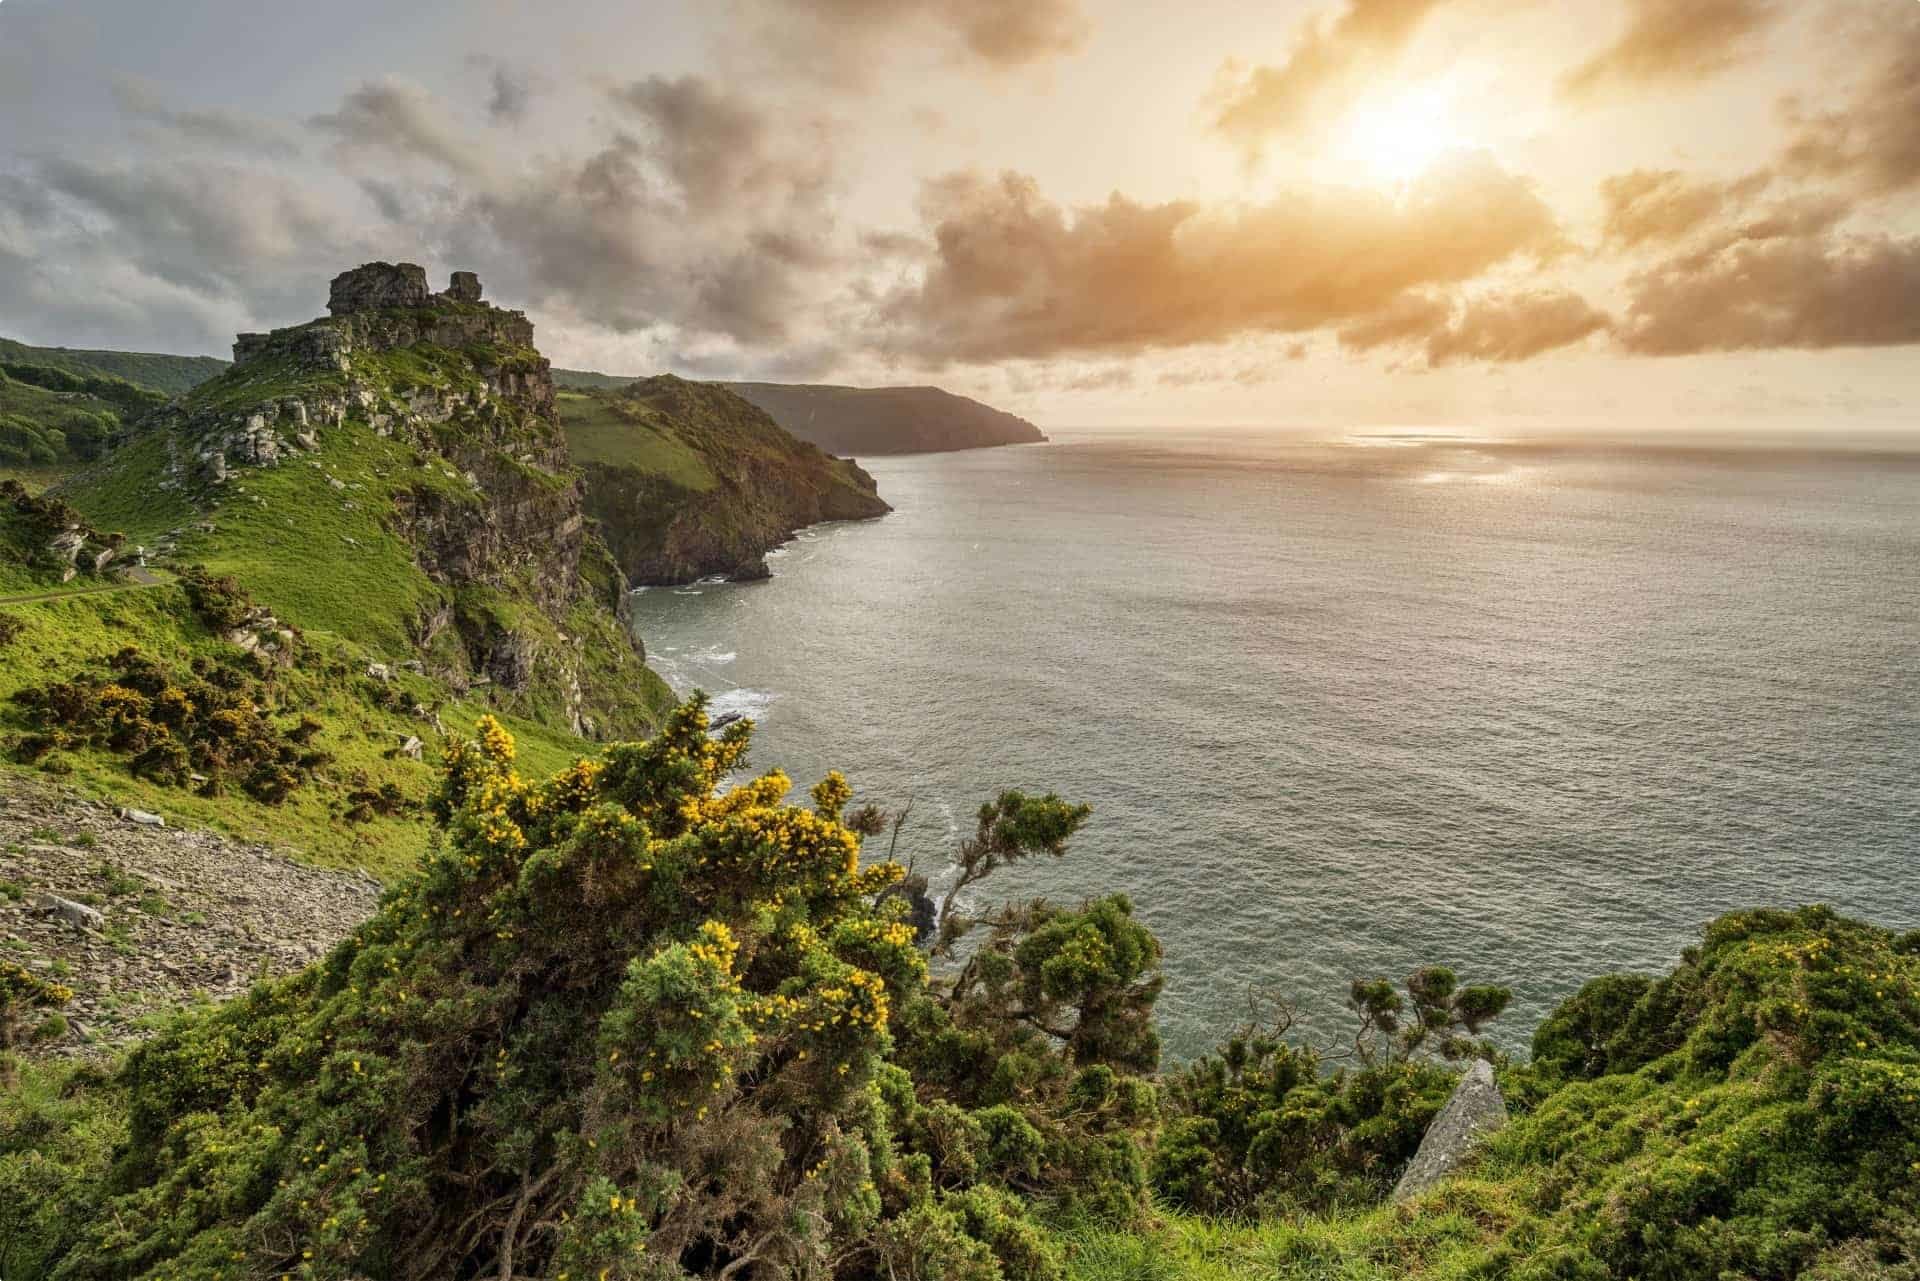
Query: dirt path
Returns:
{"type": "Point", "coordinates": [141, 578]}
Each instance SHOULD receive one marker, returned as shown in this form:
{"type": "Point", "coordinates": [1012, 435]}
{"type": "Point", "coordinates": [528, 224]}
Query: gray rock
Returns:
{"type": "Point", "coordinates": [143, 818]}
{"type": "Point", "coordinates": [412, 748]}
{"type": "Point", "coordinates": [464, 287]}
{"type": "Point", "coordinates": [1475, 1110]}
{"type": "Point", "coordinates": [78, 915]}
{"type": "Point", "coordinates": [377, 286]}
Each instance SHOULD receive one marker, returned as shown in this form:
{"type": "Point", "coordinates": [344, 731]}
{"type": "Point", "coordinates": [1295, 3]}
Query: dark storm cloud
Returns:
{"type": "Point", "coordinates": [1331, 61]}
{"type": "Point", "coordinates": [1794, 291]}
{"type": "Point", "coordinates": [1674, 42]}
{"type": "Point", "coordinates": [1873, 141]}
{"type": "Point", "coordinates": [1016, 275]}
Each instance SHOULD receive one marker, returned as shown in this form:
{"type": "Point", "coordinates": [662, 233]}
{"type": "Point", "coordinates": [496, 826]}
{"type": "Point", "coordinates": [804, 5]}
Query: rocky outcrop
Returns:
{"type": "Point", "coordinates": [1475, 1110]}
{"type": "Point", "coordinates": [484, 492]}
{"type": "Point", "coordinates": [378, 285]}
{"type": "Point", "coordinates": [179, 915]}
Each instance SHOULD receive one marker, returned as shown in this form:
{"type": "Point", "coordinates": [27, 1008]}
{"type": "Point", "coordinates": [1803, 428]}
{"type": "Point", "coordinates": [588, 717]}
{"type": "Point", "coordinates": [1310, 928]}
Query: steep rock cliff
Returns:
{"type": "Point", "coordinates": [687, 480]}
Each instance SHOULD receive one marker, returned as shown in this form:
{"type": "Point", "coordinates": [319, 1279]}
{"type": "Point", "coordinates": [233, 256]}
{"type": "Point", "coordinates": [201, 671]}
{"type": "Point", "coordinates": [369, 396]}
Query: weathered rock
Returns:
{"type": "Point", "coordinates": [377, 286]}
{"type": "Point", "coordinates": [379, 671]}
{"type": "Point", "coordinates": [412, 748]}
{"type": "Point", "coordinates": [143, 817]}
{"type": "Point", "coordinates": [1474, 1110]}
{"type": "Point", "coordinates": [464, 287]}
{"type": "Point", "coordinates": [78, 915]}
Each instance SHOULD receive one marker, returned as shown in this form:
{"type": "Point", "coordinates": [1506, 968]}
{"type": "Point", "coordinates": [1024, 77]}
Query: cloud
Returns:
{"type": "Point", "coordinates": [229, 130]}
{"type": "Point", "coordinates": [1794, 291]}
{"type": "Point", "coordinates": [1015, 275]}
{"type": "Point", "coordinates": [1330, 63]}
{"type": "Point", "coordinates": [511, 91]}
{"type": "Point", "coordinates": [720, 148]}
{"type": "Point", "coordinates": [171, 256]}
{"type": "Point", "coordinates": [999, 34]}
{"type": "Point", "coordinates": [1517, 326]}
{"type": "Point", "coordinates": [713, 217]}
{"type": "Point", "coordinates": [401, 119]}
{"type": "Point", "coordinates": [1650, 206]}
{"type": "Point", "coordinates": [1499, 327]}
{"type": "Point", "coordinates": [1411, 317]}
{"type": "Point", "coordinates": [1674, 42]}
{"type": "Point", "coordinates": [1875, 139]}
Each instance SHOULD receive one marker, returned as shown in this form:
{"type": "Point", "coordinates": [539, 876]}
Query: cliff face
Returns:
{"type": "Point", "coordinates": [687, 480]}
{"type": "Point", "coordinates": [395, 473]}
{"type": "Point", "coordinates": [887, 420]}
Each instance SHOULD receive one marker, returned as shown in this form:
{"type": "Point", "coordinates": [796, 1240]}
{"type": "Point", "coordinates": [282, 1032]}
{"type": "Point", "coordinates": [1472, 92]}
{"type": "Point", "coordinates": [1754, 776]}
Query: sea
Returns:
{"type": "Point", "coordinates": [1346, 705]}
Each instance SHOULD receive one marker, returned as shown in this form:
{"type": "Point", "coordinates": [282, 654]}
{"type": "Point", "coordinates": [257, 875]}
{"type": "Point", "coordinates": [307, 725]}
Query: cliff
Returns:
{"type": "Point", "coordinates": [394, 474]}
{"type": "Point", "coordinates": [687, 480]}
{"type": "Point", "coordinates": [887, 420]}
{"type": "Point", "coordinates": [863, 421]}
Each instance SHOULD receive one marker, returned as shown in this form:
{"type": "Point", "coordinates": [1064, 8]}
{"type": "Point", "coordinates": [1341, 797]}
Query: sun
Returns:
{"type": "Point", "coordinates": [1395, 138]}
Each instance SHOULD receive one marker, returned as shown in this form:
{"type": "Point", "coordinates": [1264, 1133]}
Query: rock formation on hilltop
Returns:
{"type": "Point", "coordinates": [397, 466]}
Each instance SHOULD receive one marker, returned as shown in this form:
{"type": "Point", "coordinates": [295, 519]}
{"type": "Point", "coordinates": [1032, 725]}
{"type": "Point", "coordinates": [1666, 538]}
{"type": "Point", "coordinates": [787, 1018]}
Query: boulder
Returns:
{"type": "Point", "coordinates": [378, 286]}
{"type": "Point", "coordinates": [143, 818]}
{"type": "Point", "coordinates": [1474, 1110]}
{"type": "Point", "coordinates": [464, 287]}
{"type": "Point", "coordinates": [78, 915]}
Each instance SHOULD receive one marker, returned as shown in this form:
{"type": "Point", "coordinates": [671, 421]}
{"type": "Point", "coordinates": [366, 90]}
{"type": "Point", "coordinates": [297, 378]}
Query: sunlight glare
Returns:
{"type": "Point", "coordinates": [1396, 138]}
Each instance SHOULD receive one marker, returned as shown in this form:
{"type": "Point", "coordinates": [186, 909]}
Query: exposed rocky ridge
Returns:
{"type": "Point", "coordinates": [482, 494]}
{"type": "Point", "coordinates": [687, 480]}
{"type": "Point", "coordinates": [165, 916]}
{"type": "Point", "coordinates": [49, 536]}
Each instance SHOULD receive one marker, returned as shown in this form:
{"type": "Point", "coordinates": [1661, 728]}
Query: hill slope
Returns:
{"type": "Point", "coordinates": [377, 528]}
{"type": "Point", "coordinates": [687, 479]}
{"type": "Point", "coordinates": [169, 374]}
{"type": "Point", "coordinates": [887, 420]}
{"type": "Point", "coordinates": [51, 418]}
{"type": "Point", "coordinates": [862, 421]}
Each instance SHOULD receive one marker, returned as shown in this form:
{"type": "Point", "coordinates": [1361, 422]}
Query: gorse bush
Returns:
{"type": "Point", "coordinates": [626, 1022]}
{"type": "Point", "coordinates": [205, 730]}
{"type": "Point", "coordinates": [622, 1024]}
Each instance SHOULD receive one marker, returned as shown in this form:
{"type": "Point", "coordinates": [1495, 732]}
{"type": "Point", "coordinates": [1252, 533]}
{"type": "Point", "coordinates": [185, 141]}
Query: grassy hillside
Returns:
{"type": "Point", "coordinates": [861, 421]}
{"type": "Point", "coordinates": [686, 479]}
{"type": "Point", "coordinates": [170, 375]}
{"type": "Point", "coordinates": [637, 1023]}
{"type": "Point", "coordinates": [52, 420]}
{"type": "Point", "coordinates": [383, 505]}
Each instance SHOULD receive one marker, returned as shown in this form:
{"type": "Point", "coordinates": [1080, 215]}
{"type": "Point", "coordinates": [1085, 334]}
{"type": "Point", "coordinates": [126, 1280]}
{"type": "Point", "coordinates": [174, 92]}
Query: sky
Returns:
{"type": "Point", "coordinates": [1579, 214]}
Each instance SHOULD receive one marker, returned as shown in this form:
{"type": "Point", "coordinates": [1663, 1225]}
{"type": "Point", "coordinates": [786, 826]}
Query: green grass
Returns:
{"type": "Point", "coordinates": [604, 429]}
{"type": "Point", "coordinates": [169, 374]}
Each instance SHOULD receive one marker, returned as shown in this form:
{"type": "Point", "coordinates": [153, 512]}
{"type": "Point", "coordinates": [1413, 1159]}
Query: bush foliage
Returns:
{"type": "Point", "coordinates": [627, 1022]}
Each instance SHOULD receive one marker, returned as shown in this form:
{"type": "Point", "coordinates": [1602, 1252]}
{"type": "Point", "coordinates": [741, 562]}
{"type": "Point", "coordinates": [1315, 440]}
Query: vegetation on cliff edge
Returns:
{"type": "Point", "coordinates": [627, 1022]}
